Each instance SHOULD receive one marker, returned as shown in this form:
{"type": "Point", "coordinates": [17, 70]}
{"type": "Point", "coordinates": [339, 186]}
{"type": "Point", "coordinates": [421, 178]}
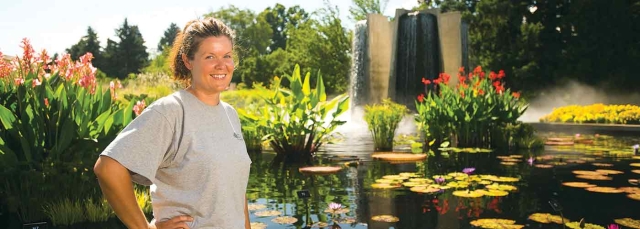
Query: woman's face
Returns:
{"type": "Point", "coordinates": [212, 65]}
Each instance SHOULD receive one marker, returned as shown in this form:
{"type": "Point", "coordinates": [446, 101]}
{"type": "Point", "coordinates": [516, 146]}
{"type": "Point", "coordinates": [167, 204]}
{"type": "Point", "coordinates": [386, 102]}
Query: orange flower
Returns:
{"type": "Point", "coordinates": [501, 74]}
{"type": "Point", "coordinates": [516, 95]}
{"type": "Point", "coordinates": [426, 81]}
{"type": "Point", "coordinates": [421, 97]}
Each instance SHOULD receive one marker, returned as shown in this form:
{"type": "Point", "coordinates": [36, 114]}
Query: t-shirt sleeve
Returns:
{"type": "Point", "coordinates": [142, 145]}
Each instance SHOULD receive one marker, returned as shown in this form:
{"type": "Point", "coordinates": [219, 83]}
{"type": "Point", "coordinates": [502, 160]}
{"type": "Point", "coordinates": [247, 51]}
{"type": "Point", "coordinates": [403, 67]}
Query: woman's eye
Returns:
{"type": "Point", "coordinates": [209, 57]}
{"type": "Point", "coordinates": [227, 56]}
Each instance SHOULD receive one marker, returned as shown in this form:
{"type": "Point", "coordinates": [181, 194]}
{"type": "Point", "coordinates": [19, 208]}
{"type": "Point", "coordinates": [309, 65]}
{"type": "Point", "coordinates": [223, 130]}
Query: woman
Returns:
{"type": "Point", "coordinates": [188, 146]}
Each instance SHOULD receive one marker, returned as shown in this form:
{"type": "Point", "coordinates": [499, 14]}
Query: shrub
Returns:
{"type": "Point", "coordinates": [470, 114]}
{"type": "Point", "coordinates": [382, 120]}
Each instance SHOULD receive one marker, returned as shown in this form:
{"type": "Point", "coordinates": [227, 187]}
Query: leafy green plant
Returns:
{"type": "Point", "coordinates": [296, 119]}
{"type": "Point", "coordinates": [472, 114]}
{"type": "Point", "coordinates": [62, 116]}
{"type": "Point", "coordinates": [382, 120]}
{"type": "Point", "coordinates": [144, 199]}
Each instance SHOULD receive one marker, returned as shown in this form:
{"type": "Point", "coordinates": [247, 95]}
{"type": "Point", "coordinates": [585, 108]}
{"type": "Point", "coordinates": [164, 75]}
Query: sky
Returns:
{"type": "Point", "coordinates": [57, 25]}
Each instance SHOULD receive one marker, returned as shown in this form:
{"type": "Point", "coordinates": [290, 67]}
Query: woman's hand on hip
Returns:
{"type": "Point", "coordinates": [177, 222]}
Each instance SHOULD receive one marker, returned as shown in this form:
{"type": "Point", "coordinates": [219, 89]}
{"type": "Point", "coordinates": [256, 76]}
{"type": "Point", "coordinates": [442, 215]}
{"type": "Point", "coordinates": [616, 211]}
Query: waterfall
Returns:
{"type": "Point", "coordinates": [358, 92]}
{"type": "Point", "coordinates": [417, 55]}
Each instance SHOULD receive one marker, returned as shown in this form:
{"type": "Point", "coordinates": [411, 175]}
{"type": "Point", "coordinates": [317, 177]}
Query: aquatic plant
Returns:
{"type": "Point", "coordinates": [382, 121]}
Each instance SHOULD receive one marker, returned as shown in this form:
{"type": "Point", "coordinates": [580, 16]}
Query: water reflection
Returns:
{"type": "Point", "coordinates": [276, 188]}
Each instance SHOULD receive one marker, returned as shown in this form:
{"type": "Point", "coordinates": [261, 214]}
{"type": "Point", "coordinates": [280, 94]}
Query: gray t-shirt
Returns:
{"type": "Point", "coordinates": [197, 165]}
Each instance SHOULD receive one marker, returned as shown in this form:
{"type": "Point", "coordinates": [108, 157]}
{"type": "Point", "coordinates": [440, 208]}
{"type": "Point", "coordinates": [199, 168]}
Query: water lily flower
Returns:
{"type": "Point", "coordinates": [577, 135]}
{"type": "Point", "coordinates": [530, 160]}
{"type": "Point", "coordinates": [468, 170]}
{"type": "Point", "coordinates": [613, 226]}
{"type": "Point", "coordinates": [440, 180]}
{"type": "Point", "coordinates": [335, 206]}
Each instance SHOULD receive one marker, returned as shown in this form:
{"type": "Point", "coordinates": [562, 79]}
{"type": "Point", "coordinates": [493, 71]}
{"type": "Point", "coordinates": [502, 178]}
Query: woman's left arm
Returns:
{"type": "Point", "coordinates": [247, 223]}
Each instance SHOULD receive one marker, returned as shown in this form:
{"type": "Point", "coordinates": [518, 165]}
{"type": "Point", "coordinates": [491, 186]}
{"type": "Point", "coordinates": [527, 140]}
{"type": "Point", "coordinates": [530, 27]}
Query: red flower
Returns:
{"type": "Point", "coordinates": [477, 70]}
{"type": "Point", "coordinates": [421, 97]}
{"type": "Point", "coordinates": [46, 102]}
{"type": "Point", "coordinates": [426, 81]}
{"type": "Point", "coordinates": [493, 76]}
{"type": "Point", "coordinates": [501, 74]}
{"type": "Point", "coordinates": [516, 95]}
{"type": "Point", "coordinates": [462, 79]}
{"type": "Point", "coordinates": [445, 77]}
{"type": "Point", "coordinates": [480, 92]}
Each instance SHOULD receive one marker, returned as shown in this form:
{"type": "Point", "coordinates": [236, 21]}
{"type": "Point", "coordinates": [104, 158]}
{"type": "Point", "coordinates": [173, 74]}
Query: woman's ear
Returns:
{"type": "Point", "coordinates": [185, 59]}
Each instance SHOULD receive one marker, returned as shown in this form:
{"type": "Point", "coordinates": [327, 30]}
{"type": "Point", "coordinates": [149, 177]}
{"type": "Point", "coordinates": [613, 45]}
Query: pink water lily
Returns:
{"type": "Point", "coordinates": [468, 170]}
{"type": "Point", "coordinates": [613, 226]}
{"type": "Point", "coordinates": [440, 180]}
{"type": "Point", "coordinates": [335, 206]}
{"type": "Point", "coordinates": [530, 160]}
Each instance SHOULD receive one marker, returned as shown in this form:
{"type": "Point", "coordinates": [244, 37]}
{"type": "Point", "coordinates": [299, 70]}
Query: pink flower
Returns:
{"type": "Point", "coordinates": [440, 180]}
{"type": "Point", "coordinates": [139, 107]}
{"type": "Point", "coordinates": [613, 226]}
{"type": "Point", "coordinates": [468, 170]}
{"type": "Point", "coordinates": [19, 81]}
{"type": "Point", "coordinates": [530, 160]}
{"type": "Point", "coordinates": [35, 82]}
{"type": "Point", "coordinates": [335, 206]}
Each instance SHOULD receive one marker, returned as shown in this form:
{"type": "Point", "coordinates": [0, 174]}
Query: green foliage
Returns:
{"type": "Point", "coordinates": [52, 126]}
{"type": "Point", "coordinates": [129, 55]}
{"type": "Point", "coordinates": [143, 198]}
{"type": "Point", "coordinates": [249, 103]}
{"type": "Point", "coordinates": [282, 21]}
{"type": "Point", "coordinates": [472, 114]}
{"type": "Point", "coordinates": [169, 37]}
{"type": "Point", "coordinates": [296, 119]}
{"type": "Point", "coordinates": [65, 212]}
{"type": "Point", "coordinates": [364, 7]}
{"type": "Point", "coordinates": [382, 120]}
{"type": "Point", "coordinates": [160, 64]}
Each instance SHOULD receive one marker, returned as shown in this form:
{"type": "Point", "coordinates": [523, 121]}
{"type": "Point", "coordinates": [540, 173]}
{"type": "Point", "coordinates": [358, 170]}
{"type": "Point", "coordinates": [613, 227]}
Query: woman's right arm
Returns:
{"type": "Point", "coordinates": [115, 182]}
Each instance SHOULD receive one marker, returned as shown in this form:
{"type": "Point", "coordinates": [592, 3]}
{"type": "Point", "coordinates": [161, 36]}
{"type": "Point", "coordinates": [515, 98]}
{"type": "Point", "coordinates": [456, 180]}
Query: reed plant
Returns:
{"type": "Point", "coordinates": [382, 120]}
{"type": "Point", "coordinates": [97, 211]}
{"type": "Point", "coordinates": [65, 212]}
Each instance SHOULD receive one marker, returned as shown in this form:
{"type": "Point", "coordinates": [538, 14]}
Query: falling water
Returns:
{"type": "Point", "coordinates": [358, 92]}
{"type": "Point", "coordinates": [417, 55]}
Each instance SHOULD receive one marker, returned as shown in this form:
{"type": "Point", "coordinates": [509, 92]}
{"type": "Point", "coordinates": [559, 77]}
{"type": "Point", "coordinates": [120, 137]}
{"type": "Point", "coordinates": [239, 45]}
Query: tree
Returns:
{"type": "Point", "coordinates": [127, 56]}
{"type": "Point", "coordinates": [169, 37]}
{"type": "Point", "coordinates": [364, 7]}
{"type": "Point", "coordinates": [88, 43]}
{"type": "Point", "coordinates": [323, 45]}
{"type": "Point", "coordinates": [281, 20]}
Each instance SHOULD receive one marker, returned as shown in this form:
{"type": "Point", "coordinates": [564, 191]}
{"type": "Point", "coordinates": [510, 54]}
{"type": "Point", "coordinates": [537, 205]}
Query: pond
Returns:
{"type": "Point", "coordinates": [539, 179]}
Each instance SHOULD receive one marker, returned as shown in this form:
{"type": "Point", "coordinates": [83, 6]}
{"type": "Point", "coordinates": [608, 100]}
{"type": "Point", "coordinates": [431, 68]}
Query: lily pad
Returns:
{"type": "Point", "coordinates": [630, 190]}
{"type": "Point", "coordinates": [385, 186]}
{"type": "Point", "coordinates": [609, 172]}
{"type": "Point", "coordinates": [604, 190]}
{"type": "Point", "coordinates": [547, 218]}
{"type": "Point", "coordinates": [543, 166]}
{"type": "Point", "coordinates": [399, 156]}
{"type": "Point", "coordinates": [409, 175]}
{"type": "Point", "coordinates": [594, 177]}
{"type": "Point", "coordinates": [468, 193]}
{"type": "Point", "coordinates": [508, 163]}
{"type": "Point", "coordinates": [285, 220]}
{"type": "Point", "coordinates": [258, 225]}
{"type": "Point", "coordinates": [576, 225]}
{"type": "Point", "coordinates": [586, 172]}
{"type": "Point", "coordinates": [460, 184]}
{"type": "Point", "coordinates": [636, 157]}
{"type": "Point", "coordinates": [268, 213]}
{"type": "Point", "coordinates": [634, 196]}
{"type": "Point", "coordinates": [628, 222]}
{"type": "Point", "coordinates": [579, 184]}
{"type": "Point", "coordinates": [515, 156]}
{"type": "Point", "coordinates": [254, 207]}
{"type": "Point", "coordinates": [458, 174]}
{"type": "Point", "coordinates": [422, 189]}
{"type": "Point", "coordinates": [388, 181]}
{"type": "Point", "coordinates": [385, 218]}
{"type": "Point", "coordinates": [636, 171]}
{"type": "Point", "coordinates": [496, 223]}
{"type": "Point", "coordinates": [415, 184]}
{"type": "Point", "coordinates": [635, 164]}
{"type": "Point", "coordinates": [511, 160]}
{"type": "Point", "coordinates": [503, 187]}
{"type": "Point", "coordinates": [337, 211]}
{"type": "Point", "coordinates": [320, 170]}
{"type": "Point", "coordinates": [347, 220]}
{"type": "Point", "coordinates": [421, 180]}
{"type": "Point", "coordinates": [320, 225]}
{"type": "Point", "coordinates": [602, 164]}
{"type": "Point", "coordinates": [494, 192]}
{"type": "Point", "coordinates": [506, 179]}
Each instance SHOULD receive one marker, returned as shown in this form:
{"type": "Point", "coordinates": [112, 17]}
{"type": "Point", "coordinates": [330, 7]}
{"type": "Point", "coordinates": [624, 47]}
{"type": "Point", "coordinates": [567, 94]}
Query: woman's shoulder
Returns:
{"type": "Point", "coordinates": [169, 105]}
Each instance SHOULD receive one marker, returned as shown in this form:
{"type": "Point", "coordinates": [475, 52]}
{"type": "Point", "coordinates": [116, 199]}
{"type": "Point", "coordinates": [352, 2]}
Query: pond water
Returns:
{"type": "Point", "coordinates": [538, 182]}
